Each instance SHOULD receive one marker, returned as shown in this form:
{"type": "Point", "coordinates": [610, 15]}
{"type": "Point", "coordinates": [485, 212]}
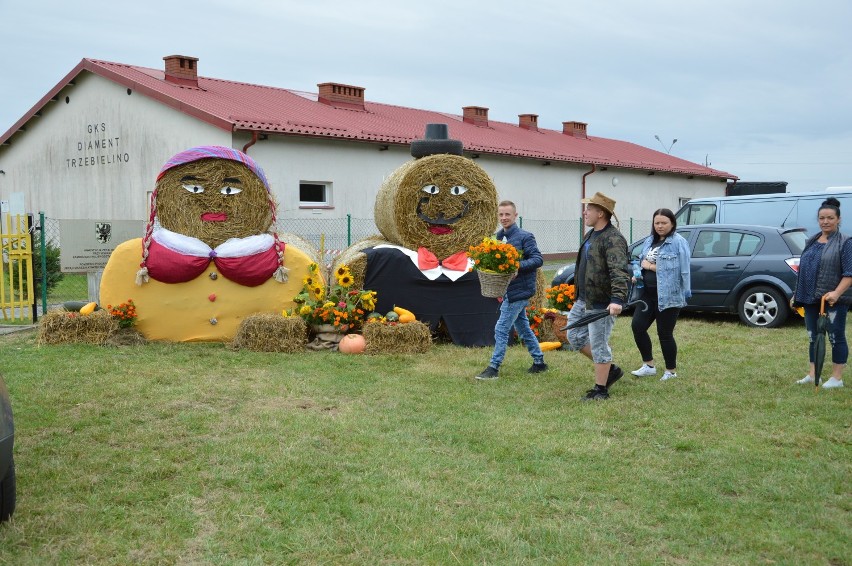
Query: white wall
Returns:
{"type": "Point", "coordinates": [97, 155]}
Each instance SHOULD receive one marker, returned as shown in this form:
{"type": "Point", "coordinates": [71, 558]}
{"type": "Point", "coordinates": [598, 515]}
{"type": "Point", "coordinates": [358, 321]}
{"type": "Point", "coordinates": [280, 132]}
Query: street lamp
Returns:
{"type": "Point", "coordinates": [668, 149]}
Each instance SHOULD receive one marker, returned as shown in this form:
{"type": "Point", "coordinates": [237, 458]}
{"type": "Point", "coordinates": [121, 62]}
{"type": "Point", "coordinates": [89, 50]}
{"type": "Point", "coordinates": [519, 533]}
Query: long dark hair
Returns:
{"type": "Point", "coordinates": [832, 204]}
{"type": "Point", "coordinates": [670, 215]}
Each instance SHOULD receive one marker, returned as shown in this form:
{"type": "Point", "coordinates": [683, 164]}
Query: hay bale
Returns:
{"type": "Point", "coordinates": [409, 338]}
{"type": "Point", "coordinates": [302, 244]}
{"type": "Point", "coordinates": [539, 299]}
{"type": "Point", "coordinates": [356, 260]}
{"type": "Point", "coordinates": [402, 208]}
{"type": "Point", "coordinates": [248, 213]}
{"type": "Point", "coordinates": [64, 327]}
{"type": "Point", "coordinates": [267, 332]}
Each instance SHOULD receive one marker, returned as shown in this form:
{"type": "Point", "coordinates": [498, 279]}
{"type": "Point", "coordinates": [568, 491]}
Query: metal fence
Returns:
{"type": "Point", "coordinates": [558, 238]}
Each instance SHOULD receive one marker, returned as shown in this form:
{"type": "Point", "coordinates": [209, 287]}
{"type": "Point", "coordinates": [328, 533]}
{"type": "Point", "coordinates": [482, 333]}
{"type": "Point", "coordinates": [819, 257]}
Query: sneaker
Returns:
{"type": "Point", "coordinates": [645, 371]}
{"type": "Point", "coordinates": [804, 380]}
{"type": "Point", "coordinates": [537, 368]}
{"type": "Point", "coordinates": [488, 374]}
{"type": "Point", "coordinates": [668, 375]}
{"type": "Point", "coordinates": [595, 395]}
{"type": "Point", "coordinates": [615, 373]}
{"type": "Point", "coordinates": [832, 383]}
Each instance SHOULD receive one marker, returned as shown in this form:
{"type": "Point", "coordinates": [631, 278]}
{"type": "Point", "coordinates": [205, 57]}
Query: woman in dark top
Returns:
{"type": "Point", "coordinates": [825, 271]}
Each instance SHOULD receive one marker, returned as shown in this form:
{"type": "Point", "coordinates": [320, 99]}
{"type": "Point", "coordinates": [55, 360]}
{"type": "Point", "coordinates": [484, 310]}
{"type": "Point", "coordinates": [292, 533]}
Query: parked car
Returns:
{"type": "Point", "coordinates": [750, 270]}
{"type": "Point", "coordinates": [7, 462]}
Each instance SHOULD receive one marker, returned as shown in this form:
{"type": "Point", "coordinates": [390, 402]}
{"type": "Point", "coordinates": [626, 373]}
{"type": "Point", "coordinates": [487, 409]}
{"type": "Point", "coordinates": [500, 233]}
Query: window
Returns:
{"type": "Point", "coordinates": [725, 244]}
{"type": "Point", "coordinates": [697, 214]}
{"type": "Point", "coordinates": [314, 194]}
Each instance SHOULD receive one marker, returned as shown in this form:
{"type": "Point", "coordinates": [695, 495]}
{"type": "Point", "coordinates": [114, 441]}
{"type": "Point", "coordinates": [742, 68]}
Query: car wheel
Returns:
{"type": "Point", "coordinates": [7, 493]}
{"type": "Point", "coordinates": [763, 307]}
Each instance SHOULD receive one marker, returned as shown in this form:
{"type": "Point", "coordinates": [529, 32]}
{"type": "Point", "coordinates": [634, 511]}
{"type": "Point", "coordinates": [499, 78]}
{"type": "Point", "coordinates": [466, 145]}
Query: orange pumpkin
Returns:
{"type": "Point", "coordinates": [352, 344]}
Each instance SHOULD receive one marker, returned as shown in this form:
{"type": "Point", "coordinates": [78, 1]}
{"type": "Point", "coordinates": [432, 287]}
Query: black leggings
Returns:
{"type": "Point", "coordinates": [666, 321]}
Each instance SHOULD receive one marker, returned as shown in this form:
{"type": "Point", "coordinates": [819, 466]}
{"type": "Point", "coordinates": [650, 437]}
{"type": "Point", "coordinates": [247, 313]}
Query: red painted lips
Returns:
{"type": "Point", "coordinates": [440, 229]}
{"type": "Point", "coordinates": [214, 217]}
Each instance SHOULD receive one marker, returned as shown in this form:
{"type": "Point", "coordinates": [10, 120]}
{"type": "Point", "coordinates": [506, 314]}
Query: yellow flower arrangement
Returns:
{"type": "Point", "coordinates": [495, 256]}
{"type": "Point", "coordinates": [338, 305]}
{"type": "Point", "coordinates": [561, 297]}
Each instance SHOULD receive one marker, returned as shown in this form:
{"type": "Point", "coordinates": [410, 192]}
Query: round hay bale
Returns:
{"type": "Point", "coordinates": [267, 332]}
{"type": "Point", "coordinates": [180, 210]}
{"type": "Point", "coordinates": [446, 219]}
{"type": "Point", "coordinates": [289, 238]}
{"type": "Point", "coordinates": [409, 338]}
{"type": "Point", "coordinates": [63, 327]}
{"type": "Point", "coordinates": [353, 258]}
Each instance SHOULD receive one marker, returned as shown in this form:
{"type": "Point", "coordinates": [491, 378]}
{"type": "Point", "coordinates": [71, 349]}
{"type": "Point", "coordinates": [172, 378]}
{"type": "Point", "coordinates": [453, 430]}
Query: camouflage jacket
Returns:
{"type": "Point", "coordinates": [606, 267]}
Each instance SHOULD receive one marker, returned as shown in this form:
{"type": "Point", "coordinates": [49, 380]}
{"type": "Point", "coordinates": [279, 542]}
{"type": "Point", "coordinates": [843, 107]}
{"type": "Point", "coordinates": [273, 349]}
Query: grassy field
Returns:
{"type": "Point", "coordinates": [197, 454]}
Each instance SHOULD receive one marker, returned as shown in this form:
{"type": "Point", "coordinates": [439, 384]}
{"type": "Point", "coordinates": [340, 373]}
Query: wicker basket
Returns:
{"type": "Point", "coordinates": [493, 284]}
{"type": "Point", "coordinates": [560, 321]}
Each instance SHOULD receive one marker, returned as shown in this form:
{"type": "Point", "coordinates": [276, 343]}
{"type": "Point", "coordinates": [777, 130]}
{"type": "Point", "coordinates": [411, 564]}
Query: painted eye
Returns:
{"type": "Point", "coordinates": [194, 189]}
{"type": "Point", "coordinates": [230, 190]}
{"type": "Point", "coordinates": [431, 189]}
{"type": "Point", "coordinates": [458, 190]}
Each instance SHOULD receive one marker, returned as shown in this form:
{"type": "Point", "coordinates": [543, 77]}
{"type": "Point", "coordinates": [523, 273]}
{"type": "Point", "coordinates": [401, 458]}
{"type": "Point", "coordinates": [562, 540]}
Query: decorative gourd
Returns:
{"type": "Point", "coordinates": [404, 315]}
{"type": "Point", "coordinates": [547, 346]}
{"type": "Point", "coordinates": [352, 344]}
{"type": "Point", "coordinates": [88, 309]}
{"type": "Point", "coordinates": [392, 317]}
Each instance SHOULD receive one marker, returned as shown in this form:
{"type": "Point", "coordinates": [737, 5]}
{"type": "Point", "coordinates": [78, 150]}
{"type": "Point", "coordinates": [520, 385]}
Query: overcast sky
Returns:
{"type": "Point", "coordinates": [758, 88]}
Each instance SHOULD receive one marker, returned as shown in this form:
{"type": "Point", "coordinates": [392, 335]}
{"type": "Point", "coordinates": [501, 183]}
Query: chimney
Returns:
{"type": "Point", "coordinates": [342, 96]}
{"type": "Point", "coordinates": [476, 115]}
{"type": "Point", "coordinates": [181, 70]}
{"type": "Point", "coordinates": [528, 121]}
{"type": "Point", "coordinates": [576, 129]}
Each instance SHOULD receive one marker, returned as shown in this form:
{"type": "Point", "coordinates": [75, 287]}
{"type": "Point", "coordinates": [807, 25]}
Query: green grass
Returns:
{"type": "Point", "coordinates": [196, 454]}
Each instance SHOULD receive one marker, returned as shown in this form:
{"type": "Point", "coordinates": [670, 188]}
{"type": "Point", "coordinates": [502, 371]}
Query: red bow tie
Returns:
{"type": "Point", "coordinates": [428, 260]}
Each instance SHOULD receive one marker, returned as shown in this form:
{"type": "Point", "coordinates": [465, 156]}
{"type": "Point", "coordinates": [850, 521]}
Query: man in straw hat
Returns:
{"type": "Point", "coordinates": [601, 280]}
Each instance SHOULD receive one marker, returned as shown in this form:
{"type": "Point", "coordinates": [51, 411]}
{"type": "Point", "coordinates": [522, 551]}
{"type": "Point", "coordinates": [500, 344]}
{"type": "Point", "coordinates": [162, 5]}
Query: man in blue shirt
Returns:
{"type": "Point", "coordinates": [513, 308]}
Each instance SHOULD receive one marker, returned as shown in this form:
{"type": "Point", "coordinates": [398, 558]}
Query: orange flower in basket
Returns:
{"type": "Point", "coordinates": [496, 256]}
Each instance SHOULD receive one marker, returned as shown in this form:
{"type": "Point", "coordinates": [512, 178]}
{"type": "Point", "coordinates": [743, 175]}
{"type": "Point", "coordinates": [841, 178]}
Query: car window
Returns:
{"type": "Point", "coordinates": [748, 245]}
{"type": "Point", "coordinates": [697, 214]}
{"type": "Point", "coordinates": [714, 243]}
{"type": "Point", "coordinates": [795, 241]}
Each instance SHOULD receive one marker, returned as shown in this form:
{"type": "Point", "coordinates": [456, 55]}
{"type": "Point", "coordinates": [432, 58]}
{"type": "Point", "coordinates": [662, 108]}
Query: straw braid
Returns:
{"type": "Point", "coordinates": [142, 274]}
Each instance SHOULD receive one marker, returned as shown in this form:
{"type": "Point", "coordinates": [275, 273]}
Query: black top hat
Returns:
{"type": "Point", "coordinates": [436, 141]}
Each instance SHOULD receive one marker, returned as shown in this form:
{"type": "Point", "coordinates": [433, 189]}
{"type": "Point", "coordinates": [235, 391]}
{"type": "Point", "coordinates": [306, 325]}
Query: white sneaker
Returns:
{"type": "Point", "coordinates": [644, 371]}
{"type": "Point", "coordinates": [804, 380]}
{"type": "Point", "coordinates": [668, 375]}
{"type": "Point", "coordinates": [832, 383]}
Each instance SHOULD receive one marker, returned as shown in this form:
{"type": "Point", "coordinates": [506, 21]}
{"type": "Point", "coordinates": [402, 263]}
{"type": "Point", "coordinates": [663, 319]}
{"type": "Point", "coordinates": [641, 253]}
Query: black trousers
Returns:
{"type": "Point", "coordinates": [666, 321]}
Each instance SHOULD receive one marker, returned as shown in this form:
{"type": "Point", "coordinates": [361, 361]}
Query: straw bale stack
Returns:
{"type": "Point", "coordinates": [409, 338]}
{"type": "Point", "coordinates": [63, 327]}
{"type": "Point", "coordinates": [267, 332]}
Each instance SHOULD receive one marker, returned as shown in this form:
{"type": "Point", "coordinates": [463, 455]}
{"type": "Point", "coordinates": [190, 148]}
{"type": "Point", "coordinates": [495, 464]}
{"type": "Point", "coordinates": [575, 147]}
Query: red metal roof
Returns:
{"type": "Point", "coordinates": [237, 106]}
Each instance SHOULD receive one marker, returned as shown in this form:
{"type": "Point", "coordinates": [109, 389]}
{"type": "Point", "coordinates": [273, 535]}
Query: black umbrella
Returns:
{"type": "Point", "coordinates": [594, 315]}
{"type": "Point", "coordinates": [819, 342]}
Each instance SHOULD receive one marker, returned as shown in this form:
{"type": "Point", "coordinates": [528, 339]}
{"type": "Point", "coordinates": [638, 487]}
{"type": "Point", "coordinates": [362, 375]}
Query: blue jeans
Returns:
{"type": "Point", "coordinates": [836, 331]}
{"type": "Point", "coordinates": [514, 315]}
{"type": "Point", "coordinates": [596, 334]}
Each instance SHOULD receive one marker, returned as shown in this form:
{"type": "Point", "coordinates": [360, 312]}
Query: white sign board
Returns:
{"type": "Point", "coordinates": [87, 244]}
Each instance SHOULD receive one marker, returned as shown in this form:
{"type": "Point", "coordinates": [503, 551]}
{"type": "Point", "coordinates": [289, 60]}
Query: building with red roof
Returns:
{"type": "Point", "coordinates": [92, 147]}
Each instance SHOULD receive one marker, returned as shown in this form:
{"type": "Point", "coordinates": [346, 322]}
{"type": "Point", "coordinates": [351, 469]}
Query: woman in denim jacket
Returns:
{"type": "Point", "coordinates": [665, 273]}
